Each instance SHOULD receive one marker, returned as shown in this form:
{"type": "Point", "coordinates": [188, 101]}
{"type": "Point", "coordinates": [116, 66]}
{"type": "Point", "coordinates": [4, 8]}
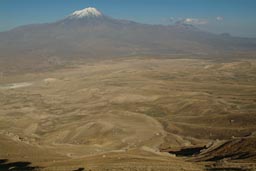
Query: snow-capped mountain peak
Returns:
{"type": "Point", "coordinates": [87, 12]}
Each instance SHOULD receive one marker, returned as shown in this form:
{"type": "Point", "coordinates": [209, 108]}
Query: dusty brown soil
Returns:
{"type": "Point", "coordinates": [119, 114]}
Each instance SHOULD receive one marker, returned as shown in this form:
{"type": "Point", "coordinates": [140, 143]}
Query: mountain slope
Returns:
{"type": "Point", "coordinates": [88, 33]}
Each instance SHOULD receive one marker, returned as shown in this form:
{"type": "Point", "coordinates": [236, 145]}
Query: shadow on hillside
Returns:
{"type": "Point", "coordinates": [79, 169]}
{"type": "Point", "coordinates": [16, 166]}
{"type": "Point", "coordinates": [187, 151]}
{"type": "Point", "coordinates": [226, 169]}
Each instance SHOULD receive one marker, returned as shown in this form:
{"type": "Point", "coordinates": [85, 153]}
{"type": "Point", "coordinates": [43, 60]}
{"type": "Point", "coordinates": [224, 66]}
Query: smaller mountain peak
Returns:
{"type": "Point", "coordinates": [87, 12]}
{"type": "Point", "coordinates": [181, 24]}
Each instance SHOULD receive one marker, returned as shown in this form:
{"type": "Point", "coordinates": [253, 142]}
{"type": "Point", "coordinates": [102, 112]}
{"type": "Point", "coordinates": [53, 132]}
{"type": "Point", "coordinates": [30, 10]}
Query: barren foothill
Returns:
{"type": "Point", "coordinates": [122, 114]}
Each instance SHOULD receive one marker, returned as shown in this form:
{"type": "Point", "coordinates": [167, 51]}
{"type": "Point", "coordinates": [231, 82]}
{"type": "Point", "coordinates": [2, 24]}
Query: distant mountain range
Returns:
{"type": "Point", "coordinates": [88, 33]}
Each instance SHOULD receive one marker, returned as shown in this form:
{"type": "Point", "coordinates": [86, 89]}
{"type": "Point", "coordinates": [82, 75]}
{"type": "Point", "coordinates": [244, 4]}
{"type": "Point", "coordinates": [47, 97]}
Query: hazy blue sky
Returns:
{"type": "Point", "coordinates": [237, 17]}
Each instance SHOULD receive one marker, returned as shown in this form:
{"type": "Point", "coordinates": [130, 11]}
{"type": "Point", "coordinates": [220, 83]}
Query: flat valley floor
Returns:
{"type": "Point", "coordinates": [131, 114]}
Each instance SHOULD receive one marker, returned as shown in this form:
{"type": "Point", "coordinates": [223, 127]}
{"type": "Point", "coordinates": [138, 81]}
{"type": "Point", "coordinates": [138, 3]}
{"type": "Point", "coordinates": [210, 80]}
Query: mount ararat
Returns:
{"type": "Point", "coordinates": [88, 33]}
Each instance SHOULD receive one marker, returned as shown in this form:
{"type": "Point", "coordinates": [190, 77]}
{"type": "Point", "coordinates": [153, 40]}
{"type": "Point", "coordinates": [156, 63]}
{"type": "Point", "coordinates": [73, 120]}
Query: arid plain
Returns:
{"type": "Point", "coordinates": [131, 114]}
